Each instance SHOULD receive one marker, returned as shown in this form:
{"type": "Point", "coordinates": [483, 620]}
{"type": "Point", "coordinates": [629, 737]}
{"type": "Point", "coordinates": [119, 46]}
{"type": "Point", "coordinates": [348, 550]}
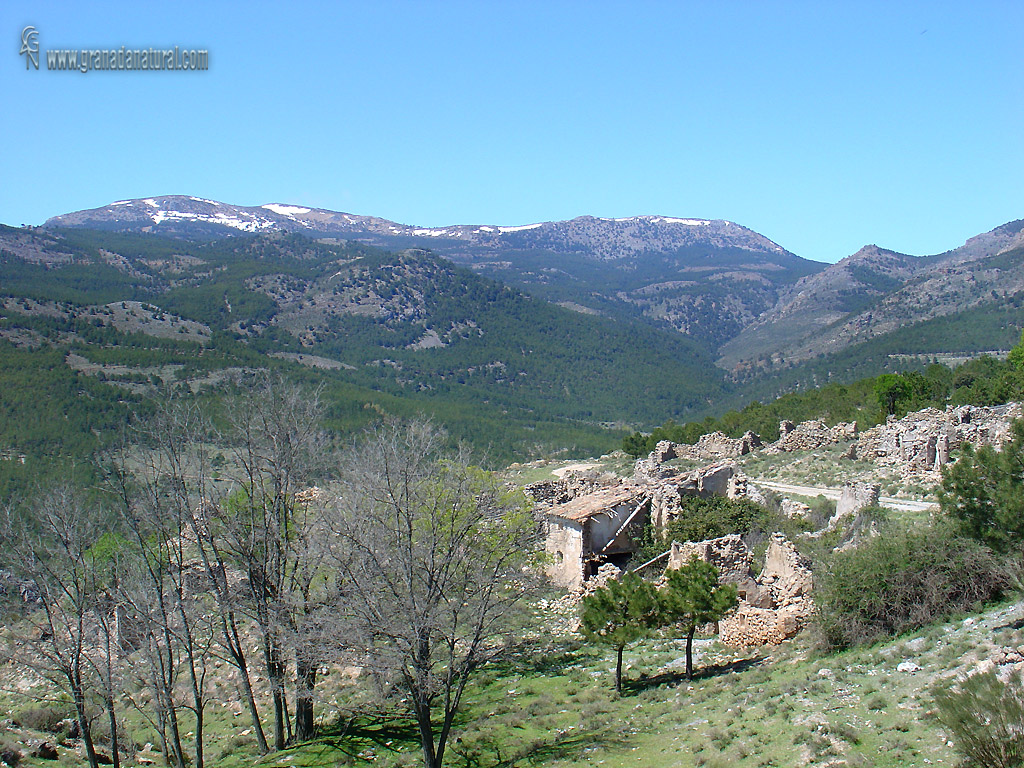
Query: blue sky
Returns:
{"type": "Point", "coordinates": [825, 126]}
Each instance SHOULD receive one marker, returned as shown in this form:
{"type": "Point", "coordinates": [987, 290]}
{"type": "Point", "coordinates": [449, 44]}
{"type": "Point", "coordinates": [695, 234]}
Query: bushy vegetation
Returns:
{"type": "Point", "coordinates": [983, 492]}
{"type": "Point", "coordinates": [903, 579]}
{"type": "Point", "coordinates": [709, 517]}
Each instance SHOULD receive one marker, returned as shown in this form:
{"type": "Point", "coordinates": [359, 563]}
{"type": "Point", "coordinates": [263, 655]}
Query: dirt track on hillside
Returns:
{"type": "Point", "coordinates": [904, 505]}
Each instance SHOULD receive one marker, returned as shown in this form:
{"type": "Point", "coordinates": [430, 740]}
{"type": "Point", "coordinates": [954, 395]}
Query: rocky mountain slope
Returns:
{"type": "Point", "coordinates": [876, 292]}
{"type": "Point", "coordinates": [759, 310]}
{"type": "Point", "coordinates": [705, 278]}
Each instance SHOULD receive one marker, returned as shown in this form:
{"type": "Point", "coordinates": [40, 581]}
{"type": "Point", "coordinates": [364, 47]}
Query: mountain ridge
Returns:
{"type": "Point", "coordinates": [180, 214]}
{"type": "Point", "coordinates": [704, 278]}
{"type": "Point", "coordinates": [876, 291]}
{"type": "Point", "coordinates": [756, 307]}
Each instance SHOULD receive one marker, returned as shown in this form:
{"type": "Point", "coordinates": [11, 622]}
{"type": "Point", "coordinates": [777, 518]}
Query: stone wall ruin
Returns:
{"type": "Point", "coordinates": [774, 605]}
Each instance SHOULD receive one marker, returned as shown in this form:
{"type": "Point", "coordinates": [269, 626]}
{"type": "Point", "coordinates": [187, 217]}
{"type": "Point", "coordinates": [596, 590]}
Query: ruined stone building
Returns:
{"type": "Point", "coordinates": [924, 441]}
{"type": "Point", "coordinates": [774, 605]}
{"type": "Point", "coordinates": [591, 530]}
{"type": "Point", "coordinates": [920, 443]}
{"type": "Point", "coordinates": [591, 519]}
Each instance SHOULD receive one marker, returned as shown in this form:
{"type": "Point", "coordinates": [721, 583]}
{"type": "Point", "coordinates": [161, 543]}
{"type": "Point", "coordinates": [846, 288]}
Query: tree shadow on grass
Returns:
{"type": "Point", "coordinates": [348, 740]}
{"type": "Point", "coordinates": [673, 678]}
{"type": "Point", "coordinates": [560, 747]}
{"type": "Point", "coordinates": [350, 737]}
{"type": "Point", "coordinates": [528, 659]}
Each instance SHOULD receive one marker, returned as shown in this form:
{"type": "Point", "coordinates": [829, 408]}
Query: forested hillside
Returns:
{"type": "Point", "coordinates": [101, 321]}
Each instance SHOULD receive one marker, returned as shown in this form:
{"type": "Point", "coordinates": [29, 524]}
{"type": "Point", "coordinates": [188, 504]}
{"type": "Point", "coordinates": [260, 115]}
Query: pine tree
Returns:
{"type": "Point", "coordinates": [984, 492]}
{"type": "Point", "coordinates": [691, 597]}
{"type": "Point", "coordinates": [618, 614]}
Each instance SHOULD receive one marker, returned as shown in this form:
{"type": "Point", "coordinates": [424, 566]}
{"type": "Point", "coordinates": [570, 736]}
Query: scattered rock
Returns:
{"type": "Point", "coordinates": [44, 750]}
{"type": "Point", "coordinates": [917, 645]}
{"type": "Point", "coordinates": [907, 666]}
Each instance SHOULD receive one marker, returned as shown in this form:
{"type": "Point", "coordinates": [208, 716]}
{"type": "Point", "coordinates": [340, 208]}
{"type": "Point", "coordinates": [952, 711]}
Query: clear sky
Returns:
{"type": "Point", "coordinates": [823, 125]}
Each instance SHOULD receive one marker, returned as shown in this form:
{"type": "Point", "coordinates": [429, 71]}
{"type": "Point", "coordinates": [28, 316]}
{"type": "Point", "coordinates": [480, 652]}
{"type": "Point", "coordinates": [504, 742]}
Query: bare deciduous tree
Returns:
{"type": "Point", "coordinates": [434, 554]}
{"type": "Point", "coordinates": [54, 555]}
{"type": "Point", "coordinates": [280, 449]}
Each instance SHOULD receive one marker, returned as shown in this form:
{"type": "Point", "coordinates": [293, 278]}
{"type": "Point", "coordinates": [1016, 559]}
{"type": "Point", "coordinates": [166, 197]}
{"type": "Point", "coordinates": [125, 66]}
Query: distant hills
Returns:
{"type": "Point", "coordinates": [395, 332]}
{"type": "Point", "coordinates": [756, 308]}
{"type": "Point", "coordinates": [877, 293]}
{"type": "Point", "coordinates": [705, 278]}
{"type": "Point", "coordinates": [525, 339]}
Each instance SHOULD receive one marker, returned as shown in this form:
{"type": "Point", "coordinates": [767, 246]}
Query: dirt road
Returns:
{"type": "Point", "coordinates": [905, 505]}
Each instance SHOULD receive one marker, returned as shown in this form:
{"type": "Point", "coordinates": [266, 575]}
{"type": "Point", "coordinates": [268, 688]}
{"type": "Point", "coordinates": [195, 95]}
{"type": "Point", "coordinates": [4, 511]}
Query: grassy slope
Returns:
{"type": "Point", "coordinates": [554, 706]}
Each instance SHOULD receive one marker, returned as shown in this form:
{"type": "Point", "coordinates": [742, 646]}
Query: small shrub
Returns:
{"type": "Point", "coordinates": [845, 731]}
{"type": "Point", "coordinates": [47, 719]}
{"type": "Point", "coordinates": [877, 703]}
{"type": "Point", "coordinates": [10, 754]}
{"type": "Point", "coordinates": [984, 716]}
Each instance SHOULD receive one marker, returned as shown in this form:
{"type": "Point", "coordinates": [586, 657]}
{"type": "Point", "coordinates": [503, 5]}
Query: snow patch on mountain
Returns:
{"type": "Point", "coordinates": [252, 225]}
{"type": "Point", "coordinates": [687, 222]}
{"type": "Point", "coordinates": [285, 210]}
{"type": "Point", "coordinates": [503, 230]}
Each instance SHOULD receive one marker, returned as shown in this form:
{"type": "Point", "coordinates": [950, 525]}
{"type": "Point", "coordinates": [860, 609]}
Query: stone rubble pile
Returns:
{"type": "Point", "coordinates": [810, 435]}
{"type": "Point", "coordinates": [728, 554]}
{"type": "Point", "coordinates": [714, 445]}
{"type": "Point", "coordinates": [774, 605]}
{"type": "Point", "coordinates": [920, 443]}
{"type": "Point", "coordinates": [562, 615]}
{"type": "Point", "coordinates": [794, 510]}
{"type": "Point", "coordinates": [785, 584]}
{"type": "Point", "coordinates": [569, 487]}
{"type": "Point", "coordinates": [923, 442]}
